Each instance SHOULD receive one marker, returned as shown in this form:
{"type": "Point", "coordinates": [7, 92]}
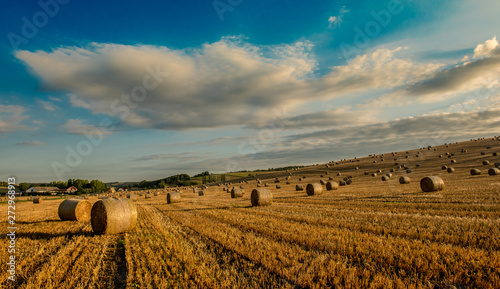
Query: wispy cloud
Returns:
{"type": "Point", "coordinates": [31, 143]}
{"type": "Point", "coordinates": [77, 126]}
{"type": "Point", "coordinates": [336, 21]}
{"type": "Point", "coordinates": [47, 105]}
{"type": "Point", "coordinates": [11, 117]}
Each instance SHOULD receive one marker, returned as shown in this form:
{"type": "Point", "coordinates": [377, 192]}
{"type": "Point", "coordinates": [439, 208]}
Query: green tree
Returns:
{"type": "Point", "coordinates": [24, 186]}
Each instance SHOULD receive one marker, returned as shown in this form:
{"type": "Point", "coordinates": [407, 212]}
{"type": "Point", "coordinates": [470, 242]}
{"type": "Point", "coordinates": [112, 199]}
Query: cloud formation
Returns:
{"type": "Point", "coordinates": [486, 48]}
{"type": "Point", "coordinates": [47, 105]}
{"type": "Point", "coordinates": [336, 21]}
{"type": "Point", "coordinates": [31, 143]}
{"type": "Point", "coordinates": [11, 117]}
{"type": "Point", "coordinates": [77, 126]}
{"type": "Point", "coordinates": [226, 83]}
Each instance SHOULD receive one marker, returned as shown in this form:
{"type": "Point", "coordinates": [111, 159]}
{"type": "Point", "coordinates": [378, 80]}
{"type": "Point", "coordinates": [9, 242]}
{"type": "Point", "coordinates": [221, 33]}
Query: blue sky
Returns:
{"type": "Point", "coordinates": [127, 90]}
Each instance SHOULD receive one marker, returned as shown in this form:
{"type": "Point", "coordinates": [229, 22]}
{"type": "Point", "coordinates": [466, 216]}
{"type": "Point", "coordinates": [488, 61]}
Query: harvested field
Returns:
{"type": "Point", "coordinates": [369, 234]}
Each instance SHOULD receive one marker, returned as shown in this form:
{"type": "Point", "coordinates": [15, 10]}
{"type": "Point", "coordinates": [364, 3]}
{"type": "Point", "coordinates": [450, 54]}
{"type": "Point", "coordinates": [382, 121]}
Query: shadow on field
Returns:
{"type": "Point", "coordinates": [48, 236]}
{"type": "Point", "coordinates": [38, 222]}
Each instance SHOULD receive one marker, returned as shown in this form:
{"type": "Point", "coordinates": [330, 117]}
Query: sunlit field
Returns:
{"type": "Point", "coordinates": [369, 234]}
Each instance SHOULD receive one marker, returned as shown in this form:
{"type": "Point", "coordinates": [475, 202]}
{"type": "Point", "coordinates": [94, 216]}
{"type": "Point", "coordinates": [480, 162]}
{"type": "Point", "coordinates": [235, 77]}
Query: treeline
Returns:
{"type": "Point", "coordinates": [207, 177]}
{"type": "Point", "coordinates": [275, 169]}
{"type": "Point", "coordinates": [177, 180]}
{"type": "Point", "coordinates": [82, 186]}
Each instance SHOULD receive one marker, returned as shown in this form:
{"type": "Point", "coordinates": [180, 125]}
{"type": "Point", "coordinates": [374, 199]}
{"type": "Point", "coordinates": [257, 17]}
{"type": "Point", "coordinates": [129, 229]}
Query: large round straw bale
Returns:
{"type": "Point", "coordinates": [37, 200]}
{"type": "Point", "coordinates": [278, 187]}
{"type": "Point", "coordinates": [485, 163]}
{"type": "Point", "coordinates": [348, 182]}
{"type": "Point", "coordinates": [332, 186]}
{"type": "Point", "coordinates": [342, 183]}
{"type": "Point", "coordinates": [491, 172]}
{"type": "Point", "coordinates": [156, 194]}
{"type": "Point", "coordinates": [385, 178]}
{"type": "Point", "coordinates": [261, 197]}
{"type": "Point", "coordinates": [404, 180]}
{"type": "Point", "coordinates": [450, 170]}
{"type": "Point", "coordinates": [236, 193]}
{"type": "Point", "coordinates": [444, 167]}
{"type": "Point", "coordinates": [475, 172]}
{"type": "Point", "coordinates": [200, 193]}
{"type": "Point", "coordinates": [173, 197]}
{"type": "Point", "coordinates": [494, 154]}
{"type": "Point", "coordinates": [497, 165]}
{"type": "Point", "coordinates": [389, 175]}
{"type": "Point", "coordinates": [330, 178]}
{"type": "Point", "coordinates": [75, 210]}
{"type": "Point", "coordinates": [147, 196]}
{"type": "Point", "coordinates": [113, 216]}
{"type": "Point", "coordinates": [288, 182]}
{"type": "Point", "coordinates": [374, 174]}
{"type": "Point", "coordinates": [453, 161]}
{"type": "Point", "coordinates": [322, 182]}
{"type": "Point", "coordinates": [314, 189]}
{"type": "Point", "coordinates": [432, 184]}
{"type": "Point", "coordinates": [299, 188]}
{"type": "Point", "coordinates": [132, 197]}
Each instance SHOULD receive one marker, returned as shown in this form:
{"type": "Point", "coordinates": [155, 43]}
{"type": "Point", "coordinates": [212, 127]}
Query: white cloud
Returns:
{"type": "Point", "coordinates": [486, 48]}
{"type": "Point", "coordinates": [31, 143]}
{"type": "Point", "coordinates": [47, 105]}
{"type": "Point", "coordinates": [225, 83]}
{"type": "Point", "coordinates": [55, 98]}
{"type": "Point", "coordinates": [336, 21]}
{"type": "Point", "coordinates": [77, 126]}
{"type": "Point", "coordinates": [11, 117]}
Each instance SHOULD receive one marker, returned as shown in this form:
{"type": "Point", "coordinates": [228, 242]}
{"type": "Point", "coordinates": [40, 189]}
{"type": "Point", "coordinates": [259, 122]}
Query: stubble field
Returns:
{"type": "Point", "coordinates": [370, 234]}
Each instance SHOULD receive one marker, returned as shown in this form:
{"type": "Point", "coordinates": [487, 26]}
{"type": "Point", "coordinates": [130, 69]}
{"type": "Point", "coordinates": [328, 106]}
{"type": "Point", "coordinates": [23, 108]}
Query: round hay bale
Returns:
{"type": "Point", "coordinates": [314, 189]}
{"type": "Point", "coordinates": [389, 175]}
{"type": "Point", "coordinates": [444, 167]}
{"type": "Point", "coordinates": [483, 153]}
{"type": "Point", "coordinates": [300, 179]}
{"type": "Point", "coordinates": [156, 194]}
{"type": "Point", "coordinates": [485, 163]}
{"type": "Point", "coordinates": [37, 200]}
{"type": "Point", "coordinates": [330, 178]}
{"type": "Point", "coordinates": [332, 186]}
{"type": "Point", "coordinates": [367, 173]}
{"type": "Point", "coordinates": [408, 171]}
{"type": "Point", "coordinates": [385, 178]}
{"type": "Point", "coordinates": [173, 197]}
{"type": "Point", "coordinates": [494, 154]}
{"type": "Point", "coordinates": [475, 172]}
{"type": "Point", "coordinates": [379, 171]}
{"type": "Point", "coordinates": [404, 180]}
{"type": "Point", "coordinates": [497, 165]}
{"type": "Point", "coordinates": [453, 161]}
{"type": "Point", "coordinates": [342, 183]}
{"type": "Point", "coordinates": [374, 174]}
{"type": "Point", "coordinates": [348, 182]}
{"type": "Point", "coordinates": [432, 184]}
{"type": "Point", "coordinates": [133, 197]}
{"type": "Point", "coordinates": [278, 187]}
{"type": "Point", "coordinates": [288, 182]}
{"type": "Point", "coordinates": [261, 197]}
{"type": "Point", "coordinates": [236, 193]}
{"type": "Point", "coordinates": [339, 174]}
{"type": "Point", "coordinates": [200, 193]}
{"type": "Point", "coordinates": [147, 196]}
{"type": "Point", "coordinates": [491, 172]}
{"type": "Point", "coordinates": [113, 216]}
{"type": "Point", "coordinates": [450, 170]}
{"type": "Point", "coordinates": [322, 182]}
{"type": "Point", "coordinates": [75, 210]}
{"type": "Point", "coordinates": [299, 188]}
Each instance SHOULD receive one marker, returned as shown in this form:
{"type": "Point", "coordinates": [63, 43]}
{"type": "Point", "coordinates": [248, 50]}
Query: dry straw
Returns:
{"type": "Point", "coordinates": [475, 172]}
{"type": "Point", "coordinates": [299, 188]}
{"type": "Point", "coordinates": [236, 193]}
{"type": "Point", "coordinates": [173, 197]}
{"type": "Point", "coordinates": [133, 197]}
{"type": "Point", "coordinates": [404, 180]}
{"type": "Point", "coordinates": [314, 189]}
{"type": "Point", "coordinates": [332, 186]}
{"type": "Point", "coordinates": [261, 197]}
{"type": "Point", "coordinates": [113, 216]}
{"type": "Point", "coordinates": [491, 172]}
{"type": "Point", "coordinates": [75, 210]}
{"type": "Point", "coordinates": [432, 184]}
{"type": "Point", "coordinates": [37, 200]}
